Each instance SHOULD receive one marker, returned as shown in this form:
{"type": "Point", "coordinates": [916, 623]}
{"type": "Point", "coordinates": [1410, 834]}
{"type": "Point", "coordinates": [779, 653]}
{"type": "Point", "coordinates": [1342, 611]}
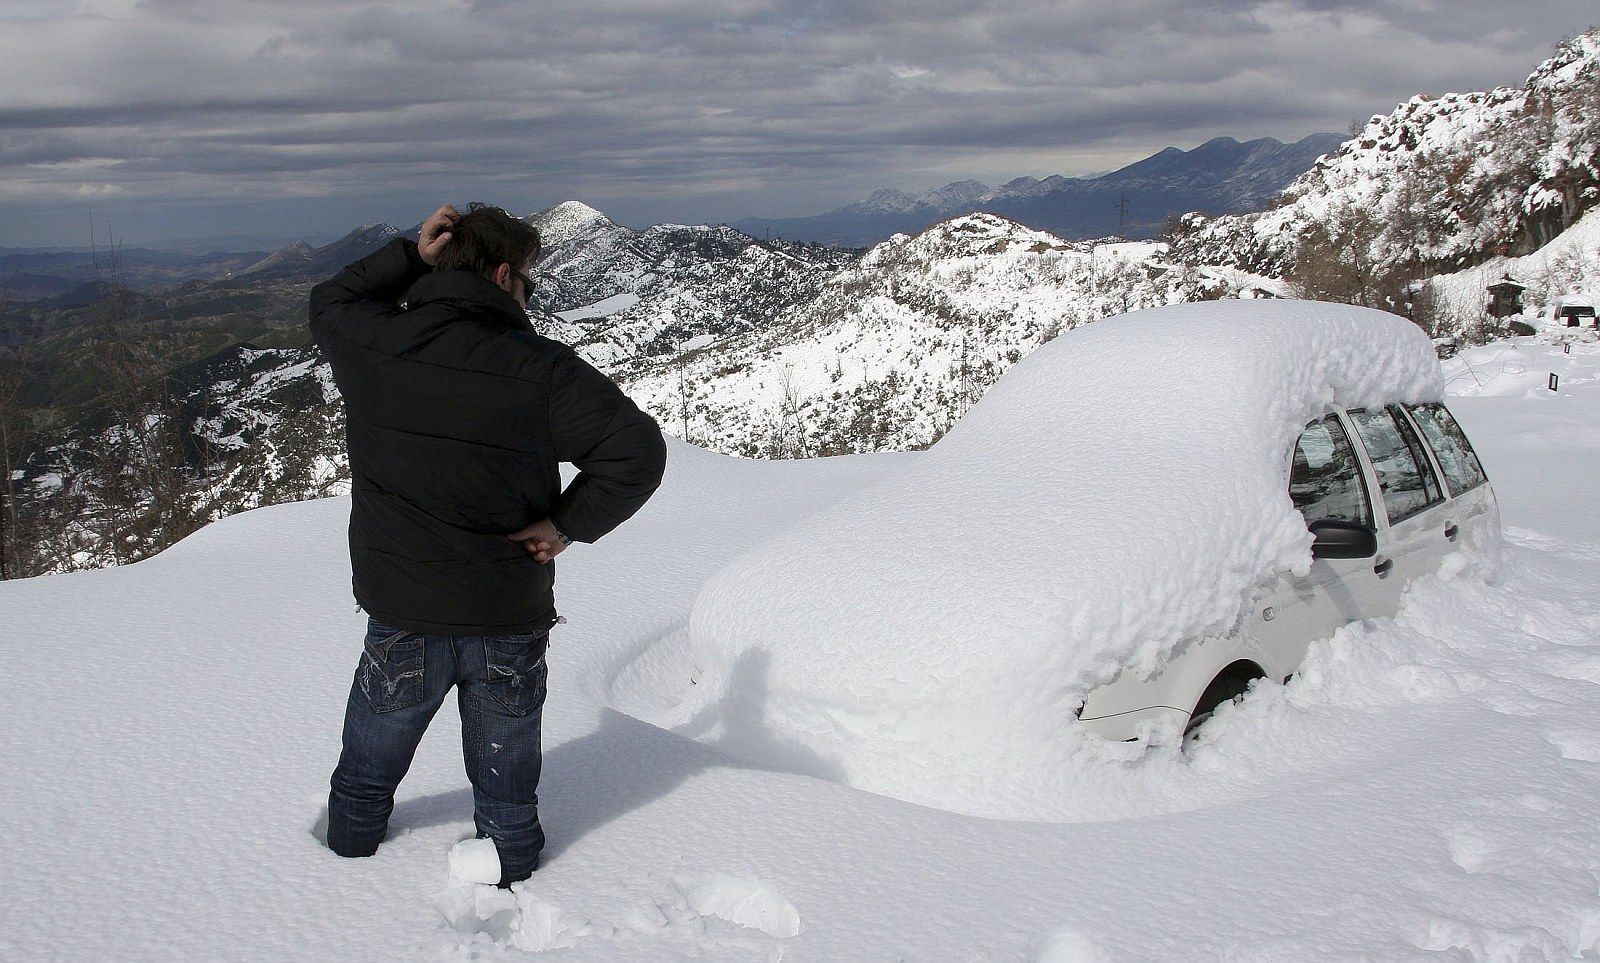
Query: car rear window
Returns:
{"type": "Point", "coordinates": [1404, 476]}
{"type": "Point", "coordinates": [1462, 470]}
{"type": "Point", "coordinates": [1325, 479]}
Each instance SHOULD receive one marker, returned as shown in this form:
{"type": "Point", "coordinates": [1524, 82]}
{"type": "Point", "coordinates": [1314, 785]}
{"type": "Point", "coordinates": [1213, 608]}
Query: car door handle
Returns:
{"type": "Point", "coordinates": [1384, 567]}
{"type": "Point", "coordinates": [1451, 531]}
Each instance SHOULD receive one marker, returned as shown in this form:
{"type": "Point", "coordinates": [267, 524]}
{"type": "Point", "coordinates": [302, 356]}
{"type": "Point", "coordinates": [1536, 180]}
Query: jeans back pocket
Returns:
{"type": "Point", "coordinates": [517, 671]}
{"type": "Point", "coordinates": [392, 668]}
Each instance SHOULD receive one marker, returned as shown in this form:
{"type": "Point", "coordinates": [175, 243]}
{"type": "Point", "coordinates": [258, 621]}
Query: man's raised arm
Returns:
{"type": "Point", "coordinates": [370, 288]}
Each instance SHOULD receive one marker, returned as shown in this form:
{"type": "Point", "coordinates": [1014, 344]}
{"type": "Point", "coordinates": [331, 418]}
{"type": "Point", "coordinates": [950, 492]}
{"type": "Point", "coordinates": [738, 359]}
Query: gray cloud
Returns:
{"type": "Point", "coordinates": [189, 117]}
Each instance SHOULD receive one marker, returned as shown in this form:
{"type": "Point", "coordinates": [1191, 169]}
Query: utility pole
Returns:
{"type": "Point", "coordinates": [1122, 215]}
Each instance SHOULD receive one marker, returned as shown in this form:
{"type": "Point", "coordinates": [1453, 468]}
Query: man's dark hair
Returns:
{"type": "Point", "coordinates": [486, 237]}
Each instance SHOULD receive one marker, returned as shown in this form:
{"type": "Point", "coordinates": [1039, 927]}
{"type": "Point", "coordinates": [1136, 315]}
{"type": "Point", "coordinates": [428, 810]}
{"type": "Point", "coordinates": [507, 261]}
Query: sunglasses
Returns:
{"type": "Point", "coordinates": [527, 286]}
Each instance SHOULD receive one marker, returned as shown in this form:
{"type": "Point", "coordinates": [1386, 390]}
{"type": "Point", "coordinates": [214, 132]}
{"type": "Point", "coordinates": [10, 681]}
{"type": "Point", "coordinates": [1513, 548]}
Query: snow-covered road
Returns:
{"type": "Point", "coordinates": [1425, 788]}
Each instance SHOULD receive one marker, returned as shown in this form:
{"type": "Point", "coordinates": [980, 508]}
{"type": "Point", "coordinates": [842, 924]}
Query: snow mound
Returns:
{"type": "Point", "coordinates": [1121, 492]}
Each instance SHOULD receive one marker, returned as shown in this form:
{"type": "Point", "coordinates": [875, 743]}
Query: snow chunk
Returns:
{"type": "Point", "coordinates": [475, 861]}
{"type": "Point", "coordinates": [1119, 493]}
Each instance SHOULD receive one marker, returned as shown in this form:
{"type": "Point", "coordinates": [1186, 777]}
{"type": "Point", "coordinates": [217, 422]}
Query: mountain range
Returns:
{"type": "Point", "coordinates": [1221, 176]}
{"type": "Point", "coordinates": [770, 347]}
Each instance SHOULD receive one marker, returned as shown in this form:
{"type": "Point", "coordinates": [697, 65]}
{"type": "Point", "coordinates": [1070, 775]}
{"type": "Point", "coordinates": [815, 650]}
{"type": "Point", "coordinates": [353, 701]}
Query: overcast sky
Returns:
{"type": "Point", "coordinates": [185, 118]}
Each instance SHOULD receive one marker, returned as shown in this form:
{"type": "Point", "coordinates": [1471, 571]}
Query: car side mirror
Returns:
{"type": "Point", "coordinates": [1336, 538]}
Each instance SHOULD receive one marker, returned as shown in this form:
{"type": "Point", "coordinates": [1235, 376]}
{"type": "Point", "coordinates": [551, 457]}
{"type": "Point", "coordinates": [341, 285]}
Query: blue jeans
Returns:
{"type": "Point", "coordinates": [402, 680]}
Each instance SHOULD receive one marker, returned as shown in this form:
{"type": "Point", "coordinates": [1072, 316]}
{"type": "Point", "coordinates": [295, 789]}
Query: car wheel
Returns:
{"type": "Point", "coordinates": [1230, 684]}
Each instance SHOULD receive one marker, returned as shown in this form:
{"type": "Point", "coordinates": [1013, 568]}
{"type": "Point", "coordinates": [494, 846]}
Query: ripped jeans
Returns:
{"type": "Point", "coordinates": [402, 680]}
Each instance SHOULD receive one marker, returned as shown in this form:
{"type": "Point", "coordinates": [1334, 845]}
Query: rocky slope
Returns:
{"type": "Point", "coordinates": [1437, 184]}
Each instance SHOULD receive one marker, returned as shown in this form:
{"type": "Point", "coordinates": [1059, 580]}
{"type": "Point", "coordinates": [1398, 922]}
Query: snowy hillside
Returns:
{"type": "Point", "coordinates": [1568, 265]}
{"type": "Point", "coordinates": [1423, 789]}
{"type": "Point", "coordinates": [892, 350]}
{"type": "Point", "coordinates": [589, 259]}
{"type": "Point", "coordinates": [684, 307]}
{"type": "Point", "coordinates": [1438, 183]}
{"type": "Point", "coordinates": [758, 348]}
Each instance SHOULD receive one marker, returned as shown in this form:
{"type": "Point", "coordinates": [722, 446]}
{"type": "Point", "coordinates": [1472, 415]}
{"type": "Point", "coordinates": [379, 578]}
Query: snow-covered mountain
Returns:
{"type": "Point", "coordinates": [756, 348]}
{"type": "Point", "coordinates": [784, 349]}
{"type": "Point", "coordinates": [593, 268]}
{"type": "Point", "coordinates": [891, 350]}
{"type": "Point", "coordinates": [301, 260]}
{"type": "Point", "coordinates": [1220, 176]}
{"type": "Point", "coordinates": [1436, 184]}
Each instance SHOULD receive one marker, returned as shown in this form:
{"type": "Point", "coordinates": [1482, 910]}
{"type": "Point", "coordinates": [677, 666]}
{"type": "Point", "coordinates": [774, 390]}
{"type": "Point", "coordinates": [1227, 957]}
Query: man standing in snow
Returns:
{"type": "Point", "coordinates": [457, 418]}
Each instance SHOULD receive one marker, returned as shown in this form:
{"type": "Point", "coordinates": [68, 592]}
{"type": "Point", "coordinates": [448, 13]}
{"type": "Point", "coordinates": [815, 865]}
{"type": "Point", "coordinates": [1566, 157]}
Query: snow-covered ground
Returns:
{"type": "Point", "coordinates": [1423, 789]}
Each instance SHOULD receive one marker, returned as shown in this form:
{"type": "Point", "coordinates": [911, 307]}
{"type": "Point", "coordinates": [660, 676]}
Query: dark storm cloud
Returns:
{"type": "Point", "coordinates": [676, 109]}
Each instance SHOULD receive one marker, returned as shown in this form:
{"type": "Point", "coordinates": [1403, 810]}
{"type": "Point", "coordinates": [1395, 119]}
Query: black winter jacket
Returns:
{"type": "Point", "coordinates": [457, 418]}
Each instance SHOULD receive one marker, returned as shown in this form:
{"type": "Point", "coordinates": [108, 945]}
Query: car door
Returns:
{"type": "Point", "coordinates": [1471, 515]}
{"type": "Point", "coordinates": [1412, 541]}
{"type": "Point", "coordinates": [1326, 481]}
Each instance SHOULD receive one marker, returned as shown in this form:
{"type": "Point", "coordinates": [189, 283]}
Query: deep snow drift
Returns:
{"type": "Point", "coordinates": [1423, 789]}
{"type": "Point", "coordinates": [1117, 494]}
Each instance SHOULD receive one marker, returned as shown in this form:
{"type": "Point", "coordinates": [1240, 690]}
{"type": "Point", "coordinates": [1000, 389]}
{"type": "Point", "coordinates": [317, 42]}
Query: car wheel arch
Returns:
{"type": "Point", "coordinates": [1228, 684]}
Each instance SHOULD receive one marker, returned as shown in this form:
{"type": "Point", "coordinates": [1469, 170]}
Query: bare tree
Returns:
{"type": "Point", "coordinates": [142, 466]}
{"type": "Point", "coordinates": [789, 434]}
{"type": "Point", "coordinates": [14, 361]}
{"type": "Point", "coordinates": [683, 400]}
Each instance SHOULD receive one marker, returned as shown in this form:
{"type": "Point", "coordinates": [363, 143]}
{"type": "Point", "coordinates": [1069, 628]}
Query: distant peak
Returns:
{"type": "Point", "coordinates": [956, 192]}
{"type": "Point", "coordinates": [575, 209]}
{"type": "Point", "coordinates": [568, 220]}
{"type": "Point", "coordinates": [379, 229]}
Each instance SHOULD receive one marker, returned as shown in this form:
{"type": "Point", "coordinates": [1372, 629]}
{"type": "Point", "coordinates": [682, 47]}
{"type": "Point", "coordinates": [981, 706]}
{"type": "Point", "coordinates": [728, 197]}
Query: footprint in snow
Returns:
{"type": "Point", "coordinates": [1577, 744]}
{"type": "Point", "coordinates": [1473, 848]}
{"type": "Point", "coordinates": [514, 918]}
{"type": "Point", "coordinates": [517, 918]}
{"type": "Point", "coordinates": [1067, 945]}
{"type": "Point", "coordinates": [748, 902]}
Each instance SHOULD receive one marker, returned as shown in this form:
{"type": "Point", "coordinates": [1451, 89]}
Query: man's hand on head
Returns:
{"type": "Point", "coordinates": [542, 540]}
{"type": "Point", "coordinates": [436, 234]}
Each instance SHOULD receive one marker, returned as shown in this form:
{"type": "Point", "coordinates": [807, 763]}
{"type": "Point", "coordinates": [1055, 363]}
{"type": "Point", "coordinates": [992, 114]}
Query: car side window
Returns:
{"type": "Point", "coordinates": [1325, 480]}
{"type": "Point", "coordinates": [1462, 470]}
{"type": "Point", "coordinates": [1404, 476]}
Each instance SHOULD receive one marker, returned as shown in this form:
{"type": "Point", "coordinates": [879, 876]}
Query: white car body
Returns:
{"type": "Point", "coordinates": [1293, 611]}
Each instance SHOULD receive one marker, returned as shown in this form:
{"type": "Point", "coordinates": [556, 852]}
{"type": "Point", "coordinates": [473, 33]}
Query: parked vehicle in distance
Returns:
{"type": "Point", "coordinates": [1386, 493]}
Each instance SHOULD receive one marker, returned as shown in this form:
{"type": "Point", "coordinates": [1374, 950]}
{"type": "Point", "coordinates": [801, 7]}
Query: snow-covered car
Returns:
{"type": "Point", "coordinates": [1107, 543]}
{"type": "Point", "coordinates": [1386, 492]}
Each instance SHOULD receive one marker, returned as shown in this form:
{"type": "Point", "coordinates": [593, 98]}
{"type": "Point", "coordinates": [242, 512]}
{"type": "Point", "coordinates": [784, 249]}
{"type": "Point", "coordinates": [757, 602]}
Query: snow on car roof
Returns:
{"type": "Point", "coordinates": [1120, 492]}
